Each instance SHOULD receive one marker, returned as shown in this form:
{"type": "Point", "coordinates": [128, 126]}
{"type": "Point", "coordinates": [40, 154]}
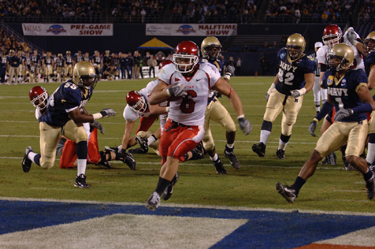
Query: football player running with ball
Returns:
{"type": "Point", "coordinates": [63, 116]}
{"type": "Point", "coordinates": [295, 78]}
{"type": "Point", "coordinates": [349, 94]}
{"type": "Point", "coordinates": [190, 82]}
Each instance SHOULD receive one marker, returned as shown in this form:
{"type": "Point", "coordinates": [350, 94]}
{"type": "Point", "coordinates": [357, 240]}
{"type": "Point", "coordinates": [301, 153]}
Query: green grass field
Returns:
{"type": "Point", "coordinates": [330, 189]}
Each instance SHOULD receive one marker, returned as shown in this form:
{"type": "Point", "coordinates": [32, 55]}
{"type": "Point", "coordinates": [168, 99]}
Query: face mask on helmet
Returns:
{"type": "Point", "coordinates": [136, 102]}
{"type": "Point", "coordinates": [38, 97]}
{"type": "Point", "coordinates": [340, 57]}
{"type": "Point", "coordinates": [211, 48]}
{"type": "Point", "coordinates": [369, 43]}
{"type": "Point", "coordinates": [84, 75]}
{"type": "Point", "coordinates": [332, 35]}
{"type": "Point", "coordinates": [186, 57]}
{"type": "Point", "coordinates": [295, 46]}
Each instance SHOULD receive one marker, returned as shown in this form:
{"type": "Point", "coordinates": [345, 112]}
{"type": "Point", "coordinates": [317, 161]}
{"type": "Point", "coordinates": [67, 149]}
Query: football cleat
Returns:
{"type": "Point", "coordinates": [260, 149]}
{"type": "Point", "coordinates": [153, 202]}
{"type": "Point", "coordinates": [280, 154]}
{"type": "Point", "coordinates": [26, 162]}
{"type": "Point", "coordinates": [81, 182]}
{"type": "Point", "coordinates": [232, 159]}
{"type": "Point", "coordinates": [169, 190]}
{"type": "Point", "coordinates": [288, 192]}
{"type": "Point", "coordinates": [137, 151]}
{"type": "Point", "coordinates": [330, 159]}
{"type": "Point", "coordinates": [143, 143]}
{"type": "Point", "coordinates": [130, 161]}
{"type": "Point", "coordinates": [347, 165]}
{"type": "Point", "coordinates": [219, 167]}
{"type": "Point", "coordinates": [370, 185]}
{"type": "Point", "coordinates": [196, 154]}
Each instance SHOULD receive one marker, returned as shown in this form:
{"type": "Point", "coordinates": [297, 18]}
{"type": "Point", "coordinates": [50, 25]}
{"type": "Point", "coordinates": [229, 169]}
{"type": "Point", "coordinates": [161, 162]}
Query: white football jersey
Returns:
{"type": "Point", "coordinates": [322, 56]}
{"type": "Point", "coordinates": [129, 114]}
{"type": "Point", "coordinates": [191, 109]}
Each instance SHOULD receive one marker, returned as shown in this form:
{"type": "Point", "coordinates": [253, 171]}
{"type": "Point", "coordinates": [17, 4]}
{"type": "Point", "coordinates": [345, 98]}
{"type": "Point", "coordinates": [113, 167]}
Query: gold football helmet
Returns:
{"type": "Point", "coordinates": [59, 55]}
{"type": "Point", "coordinates": [84, 75]}
{"type": "Point", "coordinates": [211, 47]}
{"type": "Point", "coordinates": [295, 45]}
{"type": "Point", "coordinates": [68, 52]}
{"type": "Point", "coordinates": [369, 42]}
{"type": "Point", "coordinates": [340, 57]}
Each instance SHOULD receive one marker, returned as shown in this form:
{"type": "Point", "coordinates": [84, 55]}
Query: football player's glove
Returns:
{"type": "Point", "coordinates": [267, 96]}
{"type": "Point", "coordinates": [98, 126]}
{"type": "Point", "coordinates": [297, 93]}
{"type": "Point", "coordinates": [351, 36]}
{"type": "Point", "coordinates": [245, 125]}
{"type": "Point", "coordinates": [177, 90]}
{"type": "Point", "coordinates": [312, 128]}
{"type": "Point", "coordinates": [343, 113]}
{"type": "Point", "coordinates": [108, 112]}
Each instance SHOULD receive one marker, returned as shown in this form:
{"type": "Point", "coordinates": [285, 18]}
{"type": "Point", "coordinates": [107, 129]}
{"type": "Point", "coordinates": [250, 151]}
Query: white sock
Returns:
{"type": "Point", "coordinates": [81, 166]}
{"type": "Point", "coordinates": [31, 156]}
{"type": "Point", "coordinates": [214, 158]}
{"type": "Point", "coordinates": [264, 134]}
{"type": "Point", "coordinates": [151, 139]}
{"type": "Point", "coordinates": [370, 153]}
{"type": "Point", "coordinates": [282, 145]}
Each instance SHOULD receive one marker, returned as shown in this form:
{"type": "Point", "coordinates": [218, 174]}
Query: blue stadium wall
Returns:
{"type": "Point", "coordinates": [127, 38]}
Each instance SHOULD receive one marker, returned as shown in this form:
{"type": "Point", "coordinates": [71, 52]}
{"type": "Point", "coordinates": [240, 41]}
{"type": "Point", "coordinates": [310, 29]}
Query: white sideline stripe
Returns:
{"type": "Point", "coordinates": [306, 211]}
{"type": "Point", "coordinates": [127, 231]}
{"type": "Point", "coordinates": [364, 237]}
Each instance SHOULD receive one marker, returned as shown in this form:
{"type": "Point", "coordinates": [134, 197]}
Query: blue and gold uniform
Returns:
{"type": "Point", "coordinates": [66, 98]}
{"type": "Point", "coordinates": [295, 77]}
{"type": "Point", "coordinates": [291, 74]}
{"type": "Point", "coordinates": [55, 121]}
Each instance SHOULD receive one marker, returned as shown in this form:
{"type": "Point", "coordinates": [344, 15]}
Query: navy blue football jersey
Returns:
{"type": "Point", "coordinates": [66, 98]}
{"type": "Point", "coordinates": [291, 75]}
{"type": "Point", "coordinates": [369, 60]}
{"type": "Point", "coordinates": [343, 93]}
{"type": "Point", "coordinates": [15, 61]}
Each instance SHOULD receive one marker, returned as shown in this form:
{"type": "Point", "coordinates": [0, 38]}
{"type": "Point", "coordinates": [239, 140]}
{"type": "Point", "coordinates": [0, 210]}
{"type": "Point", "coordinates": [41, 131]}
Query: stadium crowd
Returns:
{"type": "Point", "coordinates": [201, 11]}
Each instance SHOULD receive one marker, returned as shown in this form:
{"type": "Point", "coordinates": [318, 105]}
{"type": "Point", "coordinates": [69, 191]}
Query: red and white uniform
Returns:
{"type": "Point", "coordinates": [322, 56]}
{"type": "Point", "coordinates": [184, 128]}
{"type": "Point", "coordinates": [146, 120]}
{"type": "Point", "coordinates": [190, 110]}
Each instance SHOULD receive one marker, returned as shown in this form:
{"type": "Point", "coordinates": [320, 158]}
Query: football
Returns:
{"type": "Point", "coordinates": [172, 98]}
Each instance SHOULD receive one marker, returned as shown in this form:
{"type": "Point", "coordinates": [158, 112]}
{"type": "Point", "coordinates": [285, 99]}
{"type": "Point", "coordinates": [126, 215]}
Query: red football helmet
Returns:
{"type": "Point", "coordinates": [332, 35]}
{"type": "Point", "coordinates": [38, 97]}
{"type": "Point", "coordinates": [164, 63]}
{"type": "Point", "coordinates": [186, 57]}
{"type": "Point", "coordinates": [136, 102]}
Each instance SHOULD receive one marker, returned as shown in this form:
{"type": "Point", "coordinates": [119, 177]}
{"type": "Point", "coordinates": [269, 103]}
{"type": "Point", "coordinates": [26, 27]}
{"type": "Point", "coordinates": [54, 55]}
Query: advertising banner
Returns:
{"type": "Point", "coordinates": [211, 29]}
{"type": "Point", "coordinates": [67, 29]}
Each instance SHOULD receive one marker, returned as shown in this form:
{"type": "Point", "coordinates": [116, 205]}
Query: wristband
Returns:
{"type": "Point", "coordinates": [271, 88]}
{"type": "Point", "coordinates": [97, 116]}
{"type": "Point", "coordinates": [227, 76]}
{"type": "Point", "coordinates": [240, 116]}
{"type": "Point", "coordinates": [166, 109]}
{"type": "Point", "coordinates": [316, 120]}
{"type": "Point", "coordinates": [302, 91]}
